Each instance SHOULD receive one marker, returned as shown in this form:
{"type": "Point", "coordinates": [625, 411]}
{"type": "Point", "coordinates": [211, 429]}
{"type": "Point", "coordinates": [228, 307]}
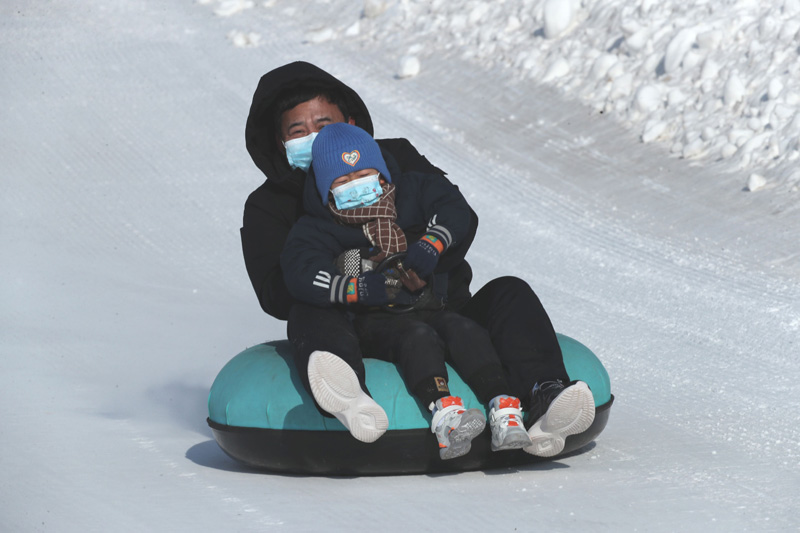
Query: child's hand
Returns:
{"type": "Point", "coordinates": [423, 255]}
{"type": "Point", "coordinates": [368, 289]}
{"type": "Point", "coordinates": [356, 261]}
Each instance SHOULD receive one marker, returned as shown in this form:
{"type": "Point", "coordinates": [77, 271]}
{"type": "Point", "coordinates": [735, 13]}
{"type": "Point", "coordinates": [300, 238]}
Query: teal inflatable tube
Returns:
{"type": "Point", "coordinates": [261, 415]}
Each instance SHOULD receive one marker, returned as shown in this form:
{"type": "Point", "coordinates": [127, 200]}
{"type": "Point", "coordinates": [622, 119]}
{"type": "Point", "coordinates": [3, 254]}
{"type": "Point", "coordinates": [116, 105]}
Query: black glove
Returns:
{"type": "Point", "coordinates": [423, 255]}
{"type": "Point", "coordinates": [367, 289]}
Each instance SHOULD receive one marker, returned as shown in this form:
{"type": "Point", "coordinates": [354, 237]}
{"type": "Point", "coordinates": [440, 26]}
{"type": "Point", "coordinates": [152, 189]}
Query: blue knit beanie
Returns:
{"type": "Point", "coordinates": [340, 149]}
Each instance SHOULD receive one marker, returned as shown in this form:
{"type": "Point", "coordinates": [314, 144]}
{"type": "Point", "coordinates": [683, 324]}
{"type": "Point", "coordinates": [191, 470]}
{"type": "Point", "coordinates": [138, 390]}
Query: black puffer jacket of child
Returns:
{"type": "Point", "coordinates": [314, 243]}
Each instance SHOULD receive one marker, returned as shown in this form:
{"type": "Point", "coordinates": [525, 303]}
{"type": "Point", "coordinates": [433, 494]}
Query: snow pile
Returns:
{"type": "Point", "coordinates": [409, 66]}
{"type": "Point", "coordinates": [713, 80]}
{"type": "Point", "coordinates": [231, 7]}
{"type": "Point", "coordinates": [244, 39]}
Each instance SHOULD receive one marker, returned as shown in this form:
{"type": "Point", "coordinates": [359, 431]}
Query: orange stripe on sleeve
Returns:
{"type": "Point", "coordinates": [351, 293]}
{"type": "Point", "coordinates": [434, 241]}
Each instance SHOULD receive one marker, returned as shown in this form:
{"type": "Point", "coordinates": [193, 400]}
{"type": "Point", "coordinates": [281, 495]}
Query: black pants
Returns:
{"type": "Point", "coordinates": [328, 329]}
{"type": "Point", "coordinates": [521, 333]}
{"type": "Point", "coordinates": [519, 328]}
{"type": "Point", "coordinates": [419, 344]}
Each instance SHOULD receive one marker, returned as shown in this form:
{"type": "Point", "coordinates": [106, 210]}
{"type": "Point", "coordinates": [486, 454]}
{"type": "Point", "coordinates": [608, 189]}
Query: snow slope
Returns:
{"type": "Point", "coordinates": [124, 291]}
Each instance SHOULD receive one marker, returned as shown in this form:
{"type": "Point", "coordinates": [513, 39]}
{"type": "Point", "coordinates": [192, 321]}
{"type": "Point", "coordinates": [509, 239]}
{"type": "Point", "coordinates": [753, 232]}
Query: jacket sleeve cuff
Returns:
{"type": "Point", "coordinates": [439, 237]}
{"type": "Point", "coordinates": [344, 290]}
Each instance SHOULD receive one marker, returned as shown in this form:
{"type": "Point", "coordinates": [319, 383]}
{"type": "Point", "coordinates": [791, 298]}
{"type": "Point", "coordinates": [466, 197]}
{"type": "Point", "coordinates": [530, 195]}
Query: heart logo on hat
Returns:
{"type": "Point", "coordinates": [351, 158]}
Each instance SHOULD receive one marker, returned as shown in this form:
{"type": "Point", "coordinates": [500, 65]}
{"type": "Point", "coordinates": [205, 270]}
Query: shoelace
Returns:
{"type": "Point", "coordinates": [549, 388]}
{"type": "Point", "coordinates": [543, 395]}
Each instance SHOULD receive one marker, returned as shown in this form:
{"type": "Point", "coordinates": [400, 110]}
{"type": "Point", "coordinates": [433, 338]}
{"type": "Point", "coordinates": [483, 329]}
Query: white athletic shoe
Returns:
{"type": "Point", "coordinates": [336, 389]}
{"type": "Point", "coordinates": [570, 410]}
{"type": "Point", "coordinates": [455, 427]}
{"type": "Point", "coordinates": [505, 421]}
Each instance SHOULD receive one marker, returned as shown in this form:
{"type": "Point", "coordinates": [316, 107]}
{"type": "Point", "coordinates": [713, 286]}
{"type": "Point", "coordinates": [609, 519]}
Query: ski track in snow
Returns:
{"type": "Point", "coordinates": [125, 292]}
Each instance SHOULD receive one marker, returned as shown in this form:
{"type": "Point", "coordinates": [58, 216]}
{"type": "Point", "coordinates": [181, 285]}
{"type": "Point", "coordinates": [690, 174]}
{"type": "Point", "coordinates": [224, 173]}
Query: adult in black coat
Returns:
{"type": "Point", "coordinates": [297, 99]}
{"type": "Point", "coordinates": [273, 208]}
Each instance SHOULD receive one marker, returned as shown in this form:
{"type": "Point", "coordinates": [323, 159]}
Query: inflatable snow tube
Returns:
{"type": "Point", "coordinates": [261, 415]}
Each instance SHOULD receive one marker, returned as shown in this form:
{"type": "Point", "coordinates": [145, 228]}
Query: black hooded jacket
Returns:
{"type": "Point", "coordinates": [271, 210]}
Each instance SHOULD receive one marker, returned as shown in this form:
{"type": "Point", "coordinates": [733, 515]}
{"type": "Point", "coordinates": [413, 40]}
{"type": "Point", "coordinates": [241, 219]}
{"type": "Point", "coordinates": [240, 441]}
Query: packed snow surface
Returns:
{"type": "Point", "coordinates": [634, 161]}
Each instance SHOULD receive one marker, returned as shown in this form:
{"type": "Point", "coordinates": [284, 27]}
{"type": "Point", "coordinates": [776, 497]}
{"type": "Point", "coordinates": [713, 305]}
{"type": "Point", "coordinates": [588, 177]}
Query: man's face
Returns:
{"type": "Point", "coordinates": [309, 117]}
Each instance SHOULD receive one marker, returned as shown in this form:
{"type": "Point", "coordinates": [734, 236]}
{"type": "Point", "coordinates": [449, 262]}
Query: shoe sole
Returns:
{"type": "Point", "coordinates": [570, 413]}
{"type": "Point", "coordinates": [513, 441]}
{"type": "Point", "coordinates": [336, 389]}
{"type": "Point", "coordinates": [460, 439]}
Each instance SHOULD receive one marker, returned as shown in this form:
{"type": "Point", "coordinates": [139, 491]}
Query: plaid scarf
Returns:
{"type": "Point", "coordinates": [378, 223]}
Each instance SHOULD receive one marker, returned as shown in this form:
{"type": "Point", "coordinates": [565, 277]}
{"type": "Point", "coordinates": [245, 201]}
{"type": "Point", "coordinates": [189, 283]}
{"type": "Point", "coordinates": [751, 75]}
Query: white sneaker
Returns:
{"type": "Point", "coordinates": [455, 427]}
{"type": "Point", "coordinates": [336, 389]}
{"type": "Point", "coordinates": [569, 412]}
{"type": "Point", "coordinates": [505, 421]}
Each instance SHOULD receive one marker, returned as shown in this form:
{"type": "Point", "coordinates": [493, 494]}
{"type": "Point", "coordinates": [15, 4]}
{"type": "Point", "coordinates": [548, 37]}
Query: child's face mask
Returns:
{"type": "Point", "coordinates": [358, 193]}
{"type": "Point", "coordinates": [298, 151]}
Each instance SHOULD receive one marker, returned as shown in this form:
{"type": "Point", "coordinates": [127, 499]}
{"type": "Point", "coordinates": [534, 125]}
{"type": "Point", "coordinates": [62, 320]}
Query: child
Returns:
{"type": "Point", "coordinates": [355, 203]}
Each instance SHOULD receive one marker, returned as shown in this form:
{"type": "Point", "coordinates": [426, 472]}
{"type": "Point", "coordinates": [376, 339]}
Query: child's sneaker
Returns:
{"type": "Point", "coordinates": [559, 411]}
{"type": "Point", "coordinates": [336, 388]}
{"type": "Point", "coordinates": [455, 427]}
{"type": "Point", "coordinates": [505, 421]}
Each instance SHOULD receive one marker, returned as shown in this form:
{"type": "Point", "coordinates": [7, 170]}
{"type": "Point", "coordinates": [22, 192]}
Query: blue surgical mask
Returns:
{"type": "Point", "coordinates": [298, 151]}
{"type": "Point", "coordinates": [358, 193]}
